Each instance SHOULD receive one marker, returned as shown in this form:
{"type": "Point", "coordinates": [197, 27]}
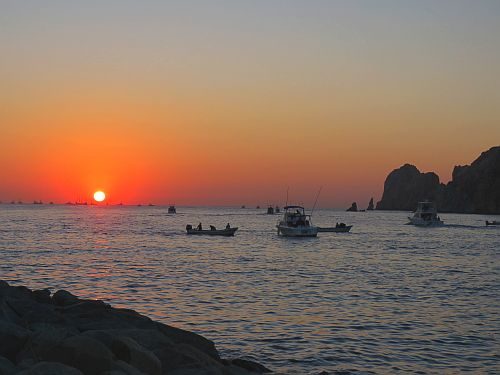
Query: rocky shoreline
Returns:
{"type": "Point", "coordinates": [61, 334]}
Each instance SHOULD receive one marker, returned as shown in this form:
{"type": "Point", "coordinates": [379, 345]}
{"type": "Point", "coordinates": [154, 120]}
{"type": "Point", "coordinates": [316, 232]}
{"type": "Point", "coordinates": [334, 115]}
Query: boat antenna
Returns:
{"type": "Point", "coordinates": [286, 204]}
{"type": "Point", "coordinates": [316, 201]}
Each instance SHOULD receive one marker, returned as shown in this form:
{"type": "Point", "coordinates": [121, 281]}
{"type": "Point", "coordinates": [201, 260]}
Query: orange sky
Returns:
{"type": "Point", "coordinates": [195, 106]}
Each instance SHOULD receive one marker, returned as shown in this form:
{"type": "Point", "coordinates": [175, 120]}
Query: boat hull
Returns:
{"type": "Point", "coordinates": [345, 229]}
{"type": "Point", "coordinates": [425, 223]}
{"type": "Point", "coordinates": [218, 232]}
{"type": "Point", "coordinates": [286, 231]}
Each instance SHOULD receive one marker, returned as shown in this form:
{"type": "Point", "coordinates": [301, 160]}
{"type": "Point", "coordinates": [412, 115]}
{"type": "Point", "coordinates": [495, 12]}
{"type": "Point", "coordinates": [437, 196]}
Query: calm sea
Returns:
{"type": "Point", "coordinates": [385, 298]}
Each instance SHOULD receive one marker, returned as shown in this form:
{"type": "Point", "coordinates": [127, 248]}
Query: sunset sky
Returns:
{"type": "Point", "coordinates": [231, 102]}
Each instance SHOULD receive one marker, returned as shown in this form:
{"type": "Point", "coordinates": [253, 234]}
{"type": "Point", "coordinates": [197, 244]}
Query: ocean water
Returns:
{"type": "Point", "coordinates": [385, 298]}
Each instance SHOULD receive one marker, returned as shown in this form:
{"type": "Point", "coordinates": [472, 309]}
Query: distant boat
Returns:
{"type": "Point", "coordinates": [243, 206]}
{"type": "Point", "coordinates": [276, 210]}
{"type": "Point", "coordinates": [270, 210]}
{"type": "Point", "coordinates": [425, 215]}
{"type": "Point", "coordinates": [296, 223]}
{"type": "Point", "coordinates": [227, 232]}
{"type": "Point", "coordinates": [150, 205]}
{"type": "Point", "coordinates": [339, 228]}
{"type": "Point", "coordinates": [494, 222]}
{"type": "Point", "coordinates": [258, 207]}
{"type": "Point", "coordinates": [172, 210]}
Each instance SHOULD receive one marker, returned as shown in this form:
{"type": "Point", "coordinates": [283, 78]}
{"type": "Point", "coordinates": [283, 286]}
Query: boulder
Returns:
{"type": "Point", "coordinates": [82, 352]}
{"type": "Point", "coordinates": [129, 351]}
{"type": "Point", "coordinates": [64, 298]}
{"type": "Point", "coordinates": [6, 366]}
{"type": "Point", "coordinates": [42, 296]}
{"type": "Point", "coordinates": [50, 368]}
{"type": "Point", "coordinates": [250, 366]}
{"type": "Point", "coordinates": [12, 339]}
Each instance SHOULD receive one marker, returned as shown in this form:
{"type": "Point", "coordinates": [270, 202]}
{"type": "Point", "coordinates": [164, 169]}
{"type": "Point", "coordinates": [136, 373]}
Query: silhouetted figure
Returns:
{"type": "Point", "coordinates": [212, 227]}
{"type": "Point", "coordinates": [228, 226]}
{"type": "Point", "coordinates": [199, 227]}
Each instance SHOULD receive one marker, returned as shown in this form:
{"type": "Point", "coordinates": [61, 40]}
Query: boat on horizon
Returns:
{"type": "Point", "coordinates": [296, 223]}
{"type": "Point", "coordinates": [227, 232]}
{"type": "Point", "coordinates": [270, 210]}
{"type": "Point", "coordinates": [425, 215]}
{"type": "Point", "coordinates": [172, 210]}
{"type": "Point", "coordinates": [494, 222]}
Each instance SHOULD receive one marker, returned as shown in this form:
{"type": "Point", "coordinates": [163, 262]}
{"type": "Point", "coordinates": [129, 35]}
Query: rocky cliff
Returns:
{"type": "Point", "coordinates": [474, 188]}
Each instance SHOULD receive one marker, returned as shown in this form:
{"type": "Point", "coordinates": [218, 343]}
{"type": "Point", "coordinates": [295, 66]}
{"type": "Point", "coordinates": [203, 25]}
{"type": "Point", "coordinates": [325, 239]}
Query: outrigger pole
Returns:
{"type": "Point", "coordinates": [316, 201]}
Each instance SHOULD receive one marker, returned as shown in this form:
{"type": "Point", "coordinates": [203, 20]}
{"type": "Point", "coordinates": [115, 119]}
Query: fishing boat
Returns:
{"type": "Point", "coordinates": [172, 210]}
{"type": "Point", "coordinates": [296, 223]}
{"type": "Point", "coordinates": [276, 210]}
{"type": "Point", "coordinates": [425, 215]}
{"type": "Point", "coordinates": [339, 228]}
{"type": "Point", "coordinates": [494, 222]}
{"type": "Point", "coordinates": [270, 210]}
{"type": "Point", "coordinates": [228, 232]}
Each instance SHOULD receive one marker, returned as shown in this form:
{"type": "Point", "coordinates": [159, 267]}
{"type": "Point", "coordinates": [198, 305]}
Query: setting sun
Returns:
{"type": "Point", "coordinates": [99, 196]}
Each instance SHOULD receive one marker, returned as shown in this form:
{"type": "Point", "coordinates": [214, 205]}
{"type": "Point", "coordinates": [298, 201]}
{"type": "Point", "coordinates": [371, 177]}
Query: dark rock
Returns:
{"type": "Point", "coordinates": [250, 365]}
{"type": "Point", "coordinates": [42, 296]}
{"type": "Point", "coordinates": [3, 284]}
{"type": "Point", "coordinates": [64, 334]}
{"type": "Point", "coordinates": [6, 366]}
{"type": "Point", "coordinates": [473, 189]}
{"type": "Point", "coordinates": [50, 368]}
{"type": "Point", "coordinates": [124, 368]}
{"type": "Point", "coordinates": [181, 336]}
{"type": "Point", "coordinates": [12, 339]}
{"type": "Point", "coordinates": [184, 356]}
{"type": "Point", "coordinates": [370, 205]}
{"type": "Point", "coordinates": [64, 298]}
{"type": "Point", "coordinates": [406, 186]}
{"type": "Point", "coordinates": [82, 352]}
{"type": "Point", "coordinates": [353, 208]}
{"type": "Point", "coordinates": [129, 351]}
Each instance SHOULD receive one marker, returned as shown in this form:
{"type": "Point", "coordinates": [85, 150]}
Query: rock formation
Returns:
{"type": "Point", "coordinates": [62, 334]}
{"type": "Point", "coordinates": [370, 205]}
{"type": "Point", "coordinates": [353, 208]}
{"type": "Point", "coordinates": [474, 188]}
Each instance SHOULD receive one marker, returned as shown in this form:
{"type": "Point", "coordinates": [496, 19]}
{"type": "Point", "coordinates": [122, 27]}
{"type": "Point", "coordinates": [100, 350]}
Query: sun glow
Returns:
{"type": "Point", "coordinates": [99, 196]}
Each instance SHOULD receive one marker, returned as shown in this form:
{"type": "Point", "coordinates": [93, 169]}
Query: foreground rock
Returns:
{"type": "Point", "coordinates": [62, 334]}
{"type": "Point", "coordinates": [474, 188]}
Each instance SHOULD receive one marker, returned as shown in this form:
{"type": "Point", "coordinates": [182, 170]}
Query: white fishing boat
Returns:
{"type": "Point", "coordinates": [296, 223]}
{"type": "Point", "coordinates": [494, 222]}
{"type": "Point", "coordinates": [425, 215]}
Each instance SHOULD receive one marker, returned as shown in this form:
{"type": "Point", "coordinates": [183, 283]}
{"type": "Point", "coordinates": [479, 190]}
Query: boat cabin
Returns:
{"type": "Point", "coordinates": [295, 216]}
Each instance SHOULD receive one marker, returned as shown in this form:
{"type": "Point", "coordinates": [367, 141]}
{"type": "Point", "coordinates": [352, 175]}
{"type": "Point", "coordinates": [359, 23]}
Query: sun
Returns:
{"type": "Point", "coordinates": [99, 196]}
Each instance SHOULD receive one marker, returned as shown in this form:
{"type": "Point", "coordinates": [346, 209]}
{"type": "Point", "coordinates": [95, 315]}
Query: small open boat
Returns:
{"type": "Point", "coordinates": [228, 232]}
{"type": "Point", "coordinates": [494, 222]}
{"type": "Point", "coordinates": [339, 228]}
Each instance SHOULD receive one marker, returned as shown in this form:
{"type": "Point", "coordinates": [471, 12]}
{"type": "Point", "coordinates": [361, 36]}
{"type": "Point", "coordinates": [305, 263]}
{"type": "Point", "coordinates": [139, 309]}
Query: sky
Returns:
{"type": "Point", "coordinates": [232, 102]}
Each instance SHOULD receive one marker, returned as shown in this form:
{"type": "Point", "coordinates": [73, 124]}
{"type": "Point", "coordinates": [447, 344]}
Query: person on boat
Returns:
{"type": "Point", "coordinates": [212, 227]}
{"type": "Point", "coordinates": [199, 227]}
{"type": "Point", "coordinates": [228, 226]}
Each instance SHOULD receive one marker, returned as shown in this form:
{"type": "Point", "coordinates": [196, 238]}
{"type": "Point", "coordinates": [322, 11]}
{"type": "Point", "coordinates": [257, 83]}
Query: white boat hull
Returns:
{"type": "Point", "coordinates": [425, 223]}
{"type": "Point", "coordinates": [300, 231]}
